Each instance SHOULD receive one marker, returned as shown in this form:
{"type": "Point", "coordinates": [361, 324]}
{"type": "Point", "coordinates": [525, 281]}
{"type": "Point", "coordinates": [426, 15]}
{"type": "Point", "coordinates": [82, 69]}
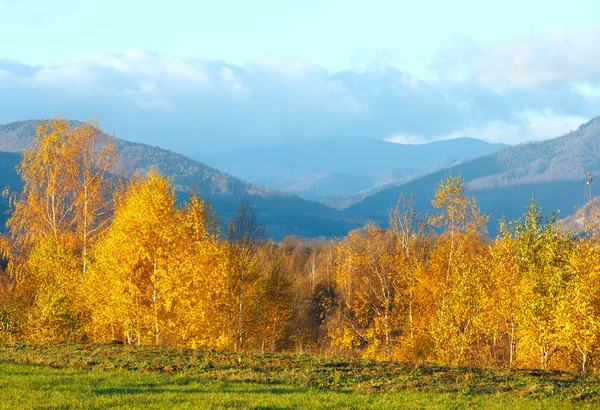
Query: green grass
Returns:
{"type": "Point", "coordinates": [68, 376]}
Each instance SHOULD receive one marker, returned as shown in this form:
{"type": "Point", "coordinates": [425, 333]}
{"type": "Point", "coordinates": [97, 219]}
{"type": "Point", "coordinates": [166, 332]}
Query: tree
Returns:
{"type": "Point", "coordinates": [57, 217]}
{"type": "Point", "coordinates": [579, 312]}
{"type": "Point", "coordinates": [277, 302]}
{"type": "Point", "coordinates": [196, 297]}
{"type": "Point", "coordinates": [506, 279]}
{"type": "Point", "coordinates": [67, 175]}
{"type": "Point", "coordinates": [132, 264]}
{"type": "Point", "coordinates": [412, 246]}
{"type": "Point", "coordinates": [458, 282]}
{"type": "Point", "coordinates": [542, 256]}
{"type": "Point", "coordinates": [371, 293]}
{"type": "Point", "coordinates": [246, 236]}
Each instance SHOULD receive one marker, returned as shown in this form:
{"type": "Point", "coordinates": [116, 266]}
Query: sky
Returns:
{"type": "Point", "coordinates": [200, 76]}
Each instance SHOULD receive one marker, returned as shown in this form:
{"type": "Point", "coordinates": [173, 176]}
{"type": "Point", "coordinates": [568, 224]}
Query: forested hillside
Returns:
{"type": "Point", "coordinates": [284, 214]}
{"type": "Point", "coordinates": [554, 172]}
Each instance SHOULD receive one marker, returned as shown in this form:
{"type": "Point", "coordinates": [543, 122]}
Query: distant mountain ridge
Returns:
{"type": "Point", "coordinates": [283, 213]}
{"type": "Point", "coordinates": [327, 169]}
{"type": "Point", "coordinates": [552, 171]}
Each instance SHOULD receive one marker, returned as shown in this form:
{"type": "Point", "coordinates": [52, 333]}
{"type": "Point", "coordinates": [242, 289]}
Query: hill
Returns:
{"type": "Point", "coordinates": [8, 177]}
{"type": "Point", "coordinates": [283, 213]}
{"type": "Point", "coordinates": [324, 169]}
{"type": "Point", "coordinates": [588, 213]}
{"type": "Point", "coordinates": [552, 171]}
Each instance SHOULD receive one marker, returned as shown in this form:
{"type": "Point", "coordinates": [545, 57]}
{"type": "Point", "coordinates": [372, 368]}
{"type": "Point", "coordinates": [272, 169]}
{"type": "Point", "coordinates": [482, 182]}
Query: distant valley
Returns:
{"type": "Point", "coordinates": [330, 170]}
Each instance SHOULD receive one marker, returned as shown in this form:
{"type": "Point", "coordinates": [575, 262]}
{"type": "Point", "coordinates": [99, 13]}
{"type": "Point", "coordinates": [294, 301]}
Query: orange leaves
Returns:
{"type": "Point", "coordinates": [67, 185]}
{"type": "Point", "coordinates": [457, 212]}
{"type": "Point", "coordinates": [55, 219]}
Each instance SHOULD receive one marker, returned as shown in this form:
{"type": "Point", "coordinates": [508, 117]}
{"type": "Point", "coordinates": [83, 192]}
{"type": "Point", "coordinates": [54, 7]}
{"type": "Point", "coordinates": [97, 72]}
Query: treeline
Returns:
{"type": "Point", "coordinates": [95, 258]}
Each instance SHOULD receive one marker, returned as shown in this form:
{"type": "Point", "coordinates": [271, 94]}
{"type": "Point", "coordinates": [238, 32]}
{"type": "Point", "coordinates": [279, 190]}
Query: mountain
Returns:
{"type": "Point", "coordinates": [553, 171]}
{"type": "Point", "coordinates": [588, 213]}
{"type": "Point", "coordinates": [326, 169]}
{"type": "Point", "coordinates": [8, 177]}
{"type": "Point", "coordinates": [284, 214]}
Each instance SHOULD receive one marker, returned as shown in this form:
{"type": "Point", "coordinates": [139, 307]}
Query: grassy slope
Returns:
{"type": "Point", "coordinates": [103, 376]}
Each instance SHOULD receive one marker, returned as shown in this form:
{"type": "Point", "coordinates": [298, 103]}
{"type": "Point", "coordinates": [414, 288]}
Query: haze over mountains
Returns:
{"type": "Point", "coordinates": [504, 179]}
{"type": "Point", "coordinates": [326, 169]}
{"type": "Point", "coordinates": [553, 172]}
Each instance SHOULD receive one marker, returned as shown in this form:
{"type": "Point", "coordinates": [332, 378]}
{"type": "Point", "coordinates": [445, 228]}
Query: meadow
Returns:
{"type": "Point", "coordinates": [105, 376]}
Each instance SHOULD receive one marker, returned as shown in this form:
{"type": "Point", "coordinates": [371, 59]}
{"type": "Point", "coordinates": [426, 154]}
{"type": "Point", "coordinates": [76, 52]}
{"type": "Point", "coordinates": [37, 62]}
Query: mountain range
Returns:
{"type": "Point", "coordinates": [552, 172]}
{"type": "Point", "coordinates": [330, 169]}
{"type": "Point", "coordinates": [283, 214]}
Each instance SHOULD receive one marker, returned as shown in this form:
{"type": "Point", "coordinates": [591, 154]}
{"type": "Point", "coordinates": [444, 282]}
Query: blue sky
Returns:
{"type": "Point", "coordinates": [331, 33]}
{"type": "Point", "coordinates": [191, 74]}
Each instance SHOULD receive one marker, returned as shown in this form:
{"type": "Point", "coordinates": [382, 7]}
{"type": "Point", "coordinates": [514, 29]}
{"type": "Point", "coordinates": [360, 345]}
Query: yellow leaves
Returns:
{"type": "Point", "coordinates": [162, 274]}
{"type": "Point", "coordinates": [457, 213]}
{"type": "Point", "coordinates": [345, 338]}
{"type": "Point", "coordinates": [166, 268]}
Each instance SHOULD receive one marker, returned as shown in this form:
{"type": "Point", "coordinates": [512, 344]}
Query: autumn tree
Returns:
{"type": "Point", "coordinates": [245, 238]}
{"type": "Point", "coordinates": [507, 295]}
{"type": "Point", "coordinates": [458, 281]}
{"type": "Point", "coordinates": [57, 216]}
{"type": "Point", "coordinates": [277, 301]}
{"type": "Point", "coordinates": [579, 310]}
{"type": "Point", "coordinates": [132, 264]}
{"type": "Point", "coordinates": [542, 257]}
{"type": "Point", "coordinates": [67, 175]}
{"type": "Point", "coordinates": [196, 292]}
{"type": "Point", "coordinates": [372, 306]}
{"type": "Point", "coordinates": [412, 245]}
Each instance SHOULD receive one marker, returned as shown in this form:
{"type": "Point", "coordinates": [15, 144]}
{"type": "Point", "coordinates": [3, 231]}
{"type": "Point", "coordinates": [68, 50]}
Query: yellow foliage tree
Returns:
{"type": "Point", "coordinates": [196, 292]}
{"type": "Point", "coordinates": [542, 256]}
{"type": "Point", "coordinates": [579, 310]}
{"type": "Point", "coordinates": [131, 271]}
{"type": "Point", "coordinates": [459, 282]}
{"type": "Point", "coordinates": [506, 293]}
{"type": "Point", "coordinates": [56, 218]}
{"type": "Point", "coordinates": [372, 293]}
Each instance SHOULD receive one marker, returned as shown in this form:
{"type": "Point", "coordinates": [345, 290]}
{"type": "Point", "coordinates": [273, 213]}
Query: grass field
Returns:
{"type": "Point", "coordinates": [68, 376]}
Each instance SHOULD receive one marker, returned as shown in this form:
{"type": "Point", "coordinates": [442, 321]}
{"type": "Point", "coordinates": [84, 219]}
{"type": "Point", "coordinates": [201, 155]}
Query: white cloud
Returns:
{"type": "Point", "coordinates": [588, 90]}
{"type": "Point", "coordinates": [288, 67]}
{"type": "Point", "coordinates": [406, 139]}
{"type": "Point", "coordinates": [232, 81]}
{"type": "Point", "coordinates": [68, 75]}
{"type": "Point", "coordinates": [130, 65]}
{"type": "Point", "coordinates": [528, 61]}
{"type": "Point", "coordinates": [5, 74]}
{"type": "Point", "coordinates": [529, 126]}
{"type": "Point", "coordinates": [350, 105]}
{"type": "Point", "coordinates": [207, 104]}
{"type": "Point", "coordinates": [157, 104]}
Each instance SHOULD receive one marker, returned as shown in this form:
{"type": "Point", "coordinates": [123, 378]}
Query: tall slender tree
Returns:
{"type": "Point", "coordinates": [246, 235]}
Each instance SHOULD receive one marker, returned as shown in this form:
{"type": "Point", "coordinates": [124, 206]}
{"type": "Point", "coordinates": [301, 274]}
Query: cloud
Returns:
{"type": "Point", "coordinates": [588, 90]}
{"type": "Point", "coordinates": [532, 60]}
{"type": "Point", "coordinates": [199, 106]}
{"type": "Point", "coordinates": [528, 126]}
{"type": "Point", "coordinates": [131, 65]}
{"type": "Point", "coordinates": [406, 139]}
